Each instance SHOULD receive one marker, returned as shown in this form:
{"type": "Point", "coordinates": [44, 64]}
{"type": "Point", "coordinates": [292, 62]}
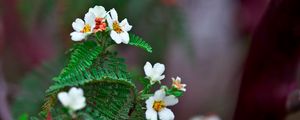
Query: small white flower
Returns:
{"type": "Point", "coordinates": [83, 28]}
{"type": "Point", "coordinates": [74, 99]}
{"type": "Point", "coordinates": [177, 84]}
{"type": "Point", "coordinates": [100, 14]}
{"type": "Point", "coordinates": [154, 73]}
{"type": "Point", "coordinates": [156, 106]}
{"type": "Point", "coordinates": [119, 31]}
{"type": "Point", "coordinates": [98, 11]}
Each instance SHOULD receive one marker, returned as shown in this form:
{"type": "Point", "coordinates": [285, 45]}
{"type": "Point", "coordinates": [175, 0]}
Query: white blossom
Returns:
{"type": "Point", "coordinates": [73, 100]}
{"type": "Point", "coordinates": [154, 73]}
{"type": "Point", "coordinates": [119, 31]}
{"type": "Point", "coordinates": [156, 106]}
{"type": "Point", "coordinates": [83, 28]}
{"type": "Point", "coordinates": [100, 14]}
{"type": "Point", "coordinates": [98, 11]}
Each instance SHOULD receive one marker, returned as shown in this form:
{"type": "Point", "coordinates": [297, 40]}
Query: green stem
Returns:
{"type": "Point", "coordinates": [98, 40]}
{"type": "Point", "coordinates": [146, 89]}
{"type": "Point", "coordinates": [96, 35]}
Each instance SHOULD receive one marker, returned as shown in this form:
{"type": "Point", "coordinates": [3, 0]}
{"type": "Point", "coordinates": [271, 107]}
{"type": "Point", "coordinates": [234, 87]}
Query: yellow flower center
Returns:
{"type": "Point", "coordinates": [117, 27]}
{"type": "Point", "coordinates": [86, 28]}
{"type": "Point", "coordinates": [158, 105]}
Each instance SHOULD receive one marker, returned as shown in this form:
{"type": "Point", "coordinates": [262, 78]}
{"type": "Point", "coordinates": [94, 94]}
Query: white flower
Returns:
{"type": "Point", "coordinates": [74, 99]}
{"type": "Point", "coordinates": [119, 31]}
{"type": "Point", "coordinates": [208, 117]}
{"type": "Point", "coordinates": [177, 84]}
{"type": "Point", "coordinates": [83, 28]}
{"type": "Point", "coordinates": [156, 106]}
{"type": "Point", "coordinates": [154, 73]}
{"type": "Point", "coordinates": [100, 13]}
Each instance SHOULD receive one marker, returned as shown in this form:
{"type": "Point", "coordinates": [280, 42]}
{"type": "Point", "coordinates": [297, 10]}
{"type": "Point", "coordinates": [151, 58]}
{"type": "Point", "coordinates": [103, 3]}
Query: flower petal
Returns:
{"type": "Point", "coordinates": [109, 21]}
{"type": "Point", "coordinates": [99, 11]}
{"type": "Point", "coordinates": [78, 25]}
{"type": "Point", "coordinates": [125, 26]}
{"type": "Point", "coordinates": [114, 14]}
{"type": "Point", "coordinates": [64, 98]}
{"type": "Point", "coordinates": [159, 94]}
{"type": "Point", "coordinates": [125, 37]}
{"type": "Point", "coordinates": [166, 114]}
{"type": "Point", "coordinates": [149, 102]}
{"type": "Point", "coordinates": [89, 18]}
{"type": "Point", "coordinates": [159, 68]}
{"type": "Point", "coordinates": [77, 36]}
{"type": "Point", "coordinates": [178, 78]}
{"type": "Point", "coordinates": [75, 92]}
{"type": "Point", "coordinates": [78, 103]}
{"type": "Point", "coordinates": [156, 77]}
{"type": "Point", "coordinates": [148, 69]}
{"type": "Point", "coordinates": [170, 100]}
{"type": "Point", "coordinates": [151, 114]}
{"type": "Point", "coordinates": [116, 37]}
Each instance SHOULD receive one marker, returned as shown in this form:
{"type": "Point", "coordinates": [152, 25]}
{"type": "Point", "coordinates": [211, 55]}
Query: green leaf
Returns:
{"type": "Point", "coordinates": [109, 101]}
{"type": "Point", "coordinates": [139, 42]}
{"type": "Point", "coordinates": [175, 92]}
{"type": "Point", "coordinates": [138, 112]}
{"type": "Point", "coordinates": [105, 68]}
{"type": "Point", "coordinates": [81, 59]}
{"type": "Point", "coordinates": [24, 117]}
{"type": "Point", "coordinates": [106, 100]}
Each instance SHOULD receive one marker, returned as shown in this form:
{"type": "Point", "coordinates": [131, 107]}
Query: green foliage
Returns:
{"type": "Point", "coordinates": [23, 117]}
{"type": "Point", "coordinates": [30, 99]}
{"type": "Point", "coordinates": [108, 87]}
{"type": "Point", "coordinates": [175, 92]}
{"type": "Point", "coordinates": [139, 111]}
{"type": "Point", "coordinates": [108, 67]}
{"type": "Point", "coordinates": [81, 58]}
{"type": "Point", "coordinates": [91, 65]}
{"type": "Point", "coordinates": [108, 100]}
{"type": "Point", "coordinates": [139, 42]}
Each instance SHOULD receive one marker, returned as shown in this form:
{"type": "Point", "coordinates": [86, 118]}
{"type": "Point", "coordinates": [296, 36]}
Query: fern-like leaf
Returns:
{"type": "Point", "coordinates": [138, 112]}
{"type": "Point", "coordinates": [139, 42]}
{"type": "Point", "coordinates": [109, 101]}
{"type": "Point", "coordinates": [106, 68]}
{"type": "Point", "coordinates": [106, 100]}
{"type": "Point", "coordinates": [81, 59]}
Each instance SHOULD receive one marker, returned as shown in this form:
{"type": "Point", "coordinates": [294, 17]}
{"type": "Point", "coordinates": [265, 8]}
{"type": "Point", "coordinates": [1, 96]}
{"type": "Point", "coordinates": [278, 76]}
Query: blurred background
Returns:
{"type": "Point", "coordinates": [239, 58]}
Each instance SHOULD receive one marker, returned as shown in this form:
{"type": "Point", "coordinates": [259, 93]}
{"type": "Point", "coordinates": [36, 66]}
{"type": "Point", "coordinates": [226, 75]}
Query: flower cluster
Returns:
{"type": "Point", "coordinates": [96, 20]}
{"type": "Point", "coordinates": [157, 104]}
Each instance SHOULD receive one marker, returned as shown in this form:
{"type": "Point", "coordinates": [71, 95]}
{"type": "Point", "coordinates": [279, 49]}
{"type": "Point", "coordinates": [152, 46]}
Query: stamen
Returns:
{"type": "Point", "coordinates": [117, 27]}
{"type": "Point", "coordinates": [158, 105]}
{"type": "Point", "coordinates": [100, 24]}
{"type": "Point", "coordinates": [86, 28]}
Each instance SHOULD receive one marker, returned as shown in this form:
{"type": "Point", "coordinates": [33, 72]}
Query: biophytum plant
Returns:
{"type": "Point", "coordinates": [95, 84]}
